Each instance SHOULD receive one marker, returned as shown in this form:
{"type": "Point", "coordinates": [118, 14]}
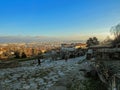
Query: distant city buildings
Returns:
{"type": "Point", "coordinates": [74, 46]}
{"type": "Point", "coordinates": [17, 50]}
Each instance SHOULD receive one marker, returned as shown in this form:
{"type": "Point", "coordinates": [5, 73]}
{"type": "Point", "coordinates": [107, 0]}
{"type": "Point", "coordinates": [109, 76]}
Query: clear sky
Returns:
{"type": "Point", "coordinates": [70, 19]}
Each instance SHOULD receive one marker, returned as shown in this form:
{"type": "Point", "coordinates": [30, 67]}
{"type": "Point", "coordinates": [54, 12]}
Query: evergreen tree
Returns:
{"type": "Point", "coordinates": [23, 55]}
{"type": "Point", "coordinates": [17, 54]}
{"type": "Point", "coordinates": [92, 41]}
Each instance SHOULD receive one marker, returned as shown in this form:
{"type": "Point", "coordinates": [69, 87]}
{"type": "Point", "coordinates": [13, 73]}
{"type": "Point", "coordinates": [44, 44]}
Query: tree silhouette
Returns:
{"type": "Point", "coordinates": [17, 54]}
{"type": "Point", "coordinates": [95, 41]}
{"type": "Point", "coordinates": [92, 41]}
{"type": "Point", "coordinates": [116, 32]}
{"type": "Point", "coordinates": [23, 55]}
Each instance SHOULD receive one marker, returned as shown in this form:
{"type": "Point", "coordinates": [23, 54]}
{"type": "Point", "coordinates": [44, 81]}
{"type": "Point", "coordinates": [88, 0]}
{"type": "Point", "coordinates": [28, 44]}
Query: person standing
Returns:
{"type": "Point", "coordinates": [66, 56]}
{"type": "Point", "coordinates": [39, 61]}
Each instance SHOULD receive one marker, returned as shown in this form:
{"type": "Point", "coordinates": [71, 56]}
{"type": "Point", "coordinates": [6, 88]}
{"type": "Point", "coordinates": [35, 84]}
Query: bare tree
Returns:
{"type": "Point", "coordinates": [107, 40]}
{"type": "Point", "coordinates": [116, 32]}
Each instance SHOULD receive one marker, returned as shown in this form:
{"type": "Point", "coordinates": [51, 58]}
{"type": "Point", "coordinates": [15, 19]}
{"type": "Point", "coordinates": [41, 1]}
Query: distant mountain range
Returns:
{"type": "Point", "coordinates": [28, 39]}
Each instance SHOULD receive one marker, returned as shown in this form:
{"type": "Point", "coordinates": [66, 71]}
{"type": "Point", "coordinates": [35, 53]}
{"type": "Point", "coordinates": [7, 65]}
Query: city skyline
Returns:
{"type": "Point", "coordinates": [63, 19]}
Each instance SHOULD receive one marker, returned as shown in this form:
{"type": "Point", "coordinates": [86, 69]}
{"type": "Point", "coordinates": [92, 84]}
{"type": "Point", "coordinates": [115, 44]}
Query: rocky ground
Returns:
{"type": "Point", "coordinates": [55, 75]}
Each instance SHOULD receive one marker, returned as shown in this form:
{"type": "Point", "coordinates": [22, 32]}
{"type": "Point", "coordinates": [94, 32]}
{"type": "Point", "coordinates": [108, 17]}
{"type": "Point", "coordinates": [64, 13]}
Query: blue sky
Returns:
{"type": "Point", "coordinates": [70, 19]}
